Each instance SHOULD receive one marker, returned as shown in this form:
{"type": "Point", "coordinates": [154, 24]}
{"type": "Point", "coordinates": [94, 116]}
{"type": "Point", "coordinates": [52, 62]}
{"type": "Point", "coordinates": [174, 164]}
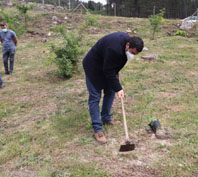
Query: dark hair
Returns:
{"type": "Point", "coordinates": [136, 42]}
{"type": "Point", "coordinates": [2, 23]}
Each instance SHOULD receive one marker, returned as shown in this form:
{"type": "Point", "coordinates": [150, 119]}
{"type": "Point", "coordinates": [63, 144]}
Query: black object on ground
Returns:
{"type": "Point", "coordinates": [154, 125]}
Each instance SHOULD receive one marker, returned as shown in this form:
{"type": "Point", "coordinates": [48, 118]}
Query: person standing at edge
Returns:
{"type": "Point", "coordinates": [9, 40]}
{"type": "Point", "coordinates": [102, 65]}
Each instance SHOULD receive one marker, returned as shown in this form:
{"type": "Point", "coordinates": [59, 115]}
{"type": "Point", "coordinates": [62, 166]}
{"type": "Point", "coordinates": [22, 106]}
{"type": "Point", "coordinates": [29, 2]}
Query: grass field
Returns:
{"type": "Point", "coordinates": [44, 120]}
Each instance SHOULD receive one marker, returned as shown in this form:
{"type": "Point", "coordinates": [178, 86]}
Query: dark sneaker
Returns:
{"type": "Point", "coordinates": [7, 72]}
{"type": "Point", "coordinates": [1, 86]}
{"type": "Point", "coordinates": [112, 122]}
{"type": "Point", "coordinates": [100, 138]}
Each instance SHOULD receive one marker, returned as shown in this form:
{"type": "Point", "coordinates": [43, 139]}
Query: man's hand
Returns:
{"type": "Point", "coordinates": [15, 41]}
{"type": "Point", "coordinates": [120, 94]}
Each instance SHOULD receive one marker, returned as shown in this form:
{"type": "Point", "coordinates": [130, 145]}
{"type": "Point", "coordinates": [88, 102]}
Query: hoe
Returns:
{"type": "Point", "coordinates": [128, 146]}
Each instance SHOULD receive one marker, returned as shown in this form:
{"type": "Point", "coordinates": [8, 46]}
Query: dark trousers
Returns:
{"type": "Point", "coordinates": [1, 82]}
{"type": "Point", "coordinates": [94, 109]}
{"type": "Point", "coordinates": [8, 54]}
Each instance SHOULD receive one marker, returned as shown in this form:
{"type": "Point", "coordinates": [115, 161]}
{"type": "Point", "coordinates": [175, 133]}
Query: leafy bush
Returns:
{"type": "Point", "coordinates": [92, 21]}
{"type": "Point", "coordinates": [180, 33]}
{"type": "Point", "coordinates": [13, 23]}
{"type": "Point", "coordinates": [156, 21]}
{"type": "Point", "coordinates": [66, 56]}
{"type": "Point", "coordinates": [23, 9]}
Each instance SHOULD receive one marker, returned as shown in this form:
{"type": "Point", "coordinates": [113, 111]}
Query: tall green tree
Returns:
{"type": "Point", "coordinates": [91, 5]}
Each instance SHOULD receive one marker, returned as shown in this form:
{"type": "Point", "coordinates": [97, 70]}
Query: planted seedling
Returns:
{"type": "Point", "coordinates": [154, 124]}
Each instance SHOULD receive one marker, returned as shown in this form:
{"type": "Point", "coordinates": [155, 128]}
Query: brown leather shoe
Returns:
{"type": "Point", "coordinates": [112, 122]}
{"type": "Point", "coordinates": [100, 138]}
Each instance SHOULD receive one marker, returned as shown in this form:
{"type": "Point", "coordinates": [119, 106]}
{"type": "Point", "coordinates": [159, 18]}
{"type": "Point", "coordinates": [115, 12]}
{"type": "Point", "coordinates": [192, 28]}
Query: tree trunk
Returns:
{"type": "Point", "coordinates": [196, 4]}
{"type": "Point", "coordinates": [69, 4]}
{"type": "Point", "coordinates": [185, 8]}
{"type": "Point", "coordinates": [137, 8]}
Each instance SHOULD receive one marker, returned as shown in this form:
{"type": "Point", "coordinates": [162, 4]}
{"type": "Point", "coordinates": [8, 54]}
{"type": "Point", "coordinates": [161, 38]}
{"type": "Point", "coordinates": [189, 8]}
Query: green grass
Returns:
{"type": "Point", "coordinates": [45, 128]}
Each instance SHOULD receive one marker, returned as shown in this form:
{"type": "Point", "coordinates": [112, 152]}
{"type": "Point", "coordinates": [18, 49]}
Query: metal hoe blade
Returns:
{"type": "Point", "coordinates": [127, 147]}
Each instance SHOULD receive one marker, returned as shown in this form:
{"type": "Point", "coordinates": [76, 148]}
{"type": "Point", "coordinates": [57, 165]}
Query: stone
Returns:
{"type": "Point", "coordinates": [59, 22]}
{"type": "Point", "coordinates": [69, 27]}
{"type": "Point", "coordinates": [9, 2]}
{"type": "Point", "coordinates": [60, 8]}
{"type": "Point", "coordinates": [44, 40]}
{"type": "Point", "coordinates": [162, 134]}
{"type": "Point", "coordinates": [128, 31]}
{"type": "Point", "coordinates": [49, 7]}
{"type": "Point", "coordinates": [54, 18]}
{"type": "Point", "coordinates": [39, 7]}
{"type": "Point", "coordinates": [187, 25]}
{"type": "Point", "coordinates": [145, 49]}
{"type": "Point", "coordinates": [150, 57]}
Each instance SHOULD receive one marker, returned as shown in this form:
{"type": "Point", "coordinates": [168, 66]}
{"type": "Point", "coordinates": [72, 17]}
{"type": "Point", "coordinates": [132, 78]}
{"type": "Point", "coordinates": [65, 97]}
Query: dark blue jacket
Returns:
{"type": "Point", "coordinates": [106, 58]}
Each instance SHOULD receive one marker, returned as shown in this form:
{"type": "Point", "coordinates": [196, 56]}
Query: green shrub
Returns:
{"type": "Point", "coordinates": [156, 21]}
{"type": "Point", "coordinates": [13, 23]}
{"type": "Point", "coordinates": [180, 33]}
{"type": "Point", "coordinates": [23, 9]}
{"type": "Point", "coordinates": [67, 56]}
{"type": "Point", "coordinates": [91, 21]}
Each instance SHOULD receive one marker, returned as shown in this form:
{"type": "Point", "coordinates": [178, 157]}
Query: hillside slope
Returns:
{"type": "Point", "coordinates": [44, 121]}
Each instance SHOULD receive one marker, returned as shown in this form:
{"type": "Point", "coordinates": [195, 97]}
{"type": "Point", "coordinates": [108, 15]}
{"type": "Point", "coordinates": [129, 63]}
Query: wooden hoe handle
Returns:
{"type": "Point", "coordinates": [125, 123]}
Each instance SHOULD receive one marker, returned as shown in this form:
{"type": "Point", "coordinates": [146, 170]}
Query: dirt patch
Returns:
{"type": "Point", "coordinates": [175, 108]}
{"type": "Point", "coordinates": [135, 163]}
{"type": "Point", "coordinates": [21, 173]}
{"type": "Point", "coordinates": [166, 94]}
{"type": "Point", "coordinates": [124, 170]}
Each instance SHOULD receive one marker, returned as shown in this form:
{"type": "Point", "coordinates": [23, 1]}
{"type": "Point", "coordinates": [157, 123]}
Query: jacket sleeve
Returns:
{"type": "Point", "coordinates": [13, 34]}
{"type": "Point", "coordinates": [110, 68]}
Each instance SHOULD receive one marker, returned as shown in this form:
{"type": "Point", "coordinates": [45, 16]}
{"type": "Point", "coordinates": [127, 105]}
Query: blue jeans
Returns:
{"type": "Point", "coordinates": [94, 108]}
{"type": "Point", "coordinates": [8, 54]}
{"type": "Point", "coordinates": [1, 82]}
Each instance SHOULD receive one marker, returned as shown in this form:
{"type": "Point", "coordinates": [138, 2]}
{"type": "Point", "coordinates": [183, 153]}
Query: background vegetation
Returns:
{"type": "Point", "coordinates": [132, 8]}
{"type": "Point", "coordinates": [45, 128]}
